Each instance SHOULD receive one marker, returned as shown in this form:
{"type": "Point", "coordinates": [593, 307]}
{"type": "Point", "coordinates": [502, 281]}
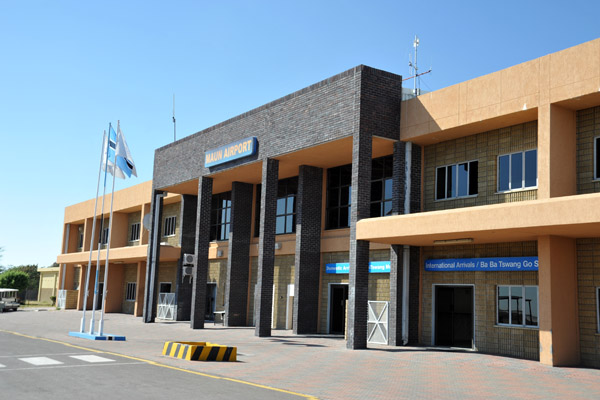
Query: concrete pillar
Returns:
{"type": "Point", "coordinates": [238, 257]}
{"type": "Point", "coordinates": [114, 288]}
{"type": "Point", "coordinates": [557, 149]}
{"type": "Point", "coordinates": [308, 250]}
{"type": "Point", "coordinates": [559, 320]}
{"type": "Point", "coordinates": [358, 288]}
{"type": "Point", "coordinates": [266, 247]}
{"type": "Point", "coordinates": [151, 286]}
{"type": "Point", "coordinates": [201, 250]}
{"type": "Point", "coordinates": [183, 286]}
{"type": "Point", "coordinates": [140, 280]}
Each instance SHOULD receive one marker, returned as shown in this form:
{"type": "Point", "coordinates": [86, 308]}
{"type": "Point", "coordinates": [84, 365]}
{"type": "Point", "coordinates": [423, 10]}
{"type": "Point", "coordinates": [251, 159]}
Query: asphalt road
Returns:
{"type": "Point", "coordinates": [33, 368]}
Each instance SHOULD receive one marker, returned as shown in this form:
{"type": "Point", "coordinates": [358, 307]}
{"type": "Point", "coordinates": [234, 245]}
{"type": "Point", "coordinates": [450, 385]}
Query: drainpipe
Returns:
{"type": "Point", "coordinates": [406, 249]}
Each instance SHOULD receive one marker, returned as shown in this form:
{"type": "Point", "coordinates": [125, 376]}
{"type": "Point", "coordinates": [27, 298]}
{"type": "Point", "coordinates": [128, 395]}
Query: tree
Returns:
{"type": "Point", "coordinates": [14, 279]}
{"type": "Point", "coordinates": [32, 274]}
{"type": "Point", "coordinates": [1, 251]}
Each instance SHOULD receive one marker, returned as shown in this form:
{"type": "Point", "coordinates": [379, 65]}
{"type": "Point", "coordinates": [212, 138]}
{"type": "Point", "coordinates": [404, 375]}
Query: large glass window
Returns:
{"type": "Point", "coordinates": [104, 237]}
{"type": "Point", "coordinates": [220, 218]}
{"type": "Point", "coordinates": [457, 180]}
{"type": "Point", "coordinates": [381, 186]}
{"type": "Point", "coordinates": [339, 187]}
{"type": "Point", "coordinates": [286, 206]}
{"type": "Point", "coordinates": [517, 170]}
{"type": "Point", "coordinates": [517, 306]}
{"type": "Point", "coordinates": [135, 232]}
{"type": "Point", "coordinates": [130, 291]}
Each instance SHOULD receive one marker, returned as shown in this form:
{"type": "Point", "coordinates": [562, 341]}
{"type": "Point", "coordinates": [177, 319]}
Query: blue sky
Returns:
{"type": "Point", "coordinates": [68, 68]}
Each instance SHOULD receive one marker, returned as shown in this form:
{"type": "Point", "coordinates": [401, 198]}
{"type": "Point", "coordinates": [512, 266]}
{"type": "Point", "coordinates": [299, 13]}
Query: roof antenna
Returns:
{"type": "Point", "coordinates": [174, 123]}
{"type": "Point", "coordinates": [415, 70]}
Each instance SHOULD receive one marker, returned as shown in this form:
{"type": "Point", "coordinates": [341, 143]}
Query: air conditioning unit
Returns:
{"type": "Point", "coordinates": [189, 259]}
{"type": "Point", "coordinates": [188, 271]}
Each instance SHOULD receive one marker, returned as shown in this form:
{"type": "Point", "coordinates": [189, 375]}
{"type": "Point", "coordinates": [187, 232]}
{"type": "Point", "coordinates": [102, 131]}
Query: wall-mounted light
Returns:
{"type": "Point", "coordinates": [453, 241]}
{"type": "Point", "coordinates": [277, 245]}
{"type": "Point", "coordinates": [219, 253]}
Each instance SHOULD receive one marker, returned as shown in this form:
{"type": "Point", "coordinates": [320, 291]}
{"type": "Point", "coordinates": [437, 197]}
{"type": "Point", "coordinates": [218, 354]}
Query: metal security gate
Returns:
{"type": "Point", "coordinates": [378, 322]}
{"type": "Point", "coordinates": [167, 309]}
{"type": "Point", "coordinates": [61, 299]}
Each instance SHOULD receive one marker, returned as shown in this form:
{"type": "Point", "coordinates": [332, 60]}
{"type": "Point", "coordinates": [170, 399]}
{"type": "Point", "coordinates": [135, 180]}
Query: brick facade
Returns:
{"type": "Point", "coordinates": [588, 277]}
{"type": "Point", "coordinates": [588, 128]}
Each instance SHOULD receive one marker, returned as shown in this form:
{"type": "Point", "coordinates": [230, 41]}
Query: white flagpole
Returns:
{"type": "Point", "coordinates": [110, 220]}
{"type": "Point", "coordinates": [87, 277]}
{"type": "Point", "coordinates": [93, 320]}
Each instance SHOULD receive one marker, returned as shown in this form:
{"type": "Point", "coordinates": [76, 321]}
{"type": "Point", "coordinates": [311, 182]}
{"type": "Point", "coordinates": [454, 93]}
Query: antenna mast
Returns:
{"type": "Point", "coordinates": [174, 123]}
{"type": "Point", "coordinates": [415, 69]}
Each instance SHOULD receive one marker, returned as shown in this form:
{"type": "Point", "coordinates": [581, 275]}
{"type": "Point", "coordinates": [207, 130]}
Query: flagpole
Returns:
{"type": "Point", "coordinates": [93, 320]}
{"type": "Point", "coordinates": [106, 265]}
{"type": "Point", "coordinates": [87, 278]}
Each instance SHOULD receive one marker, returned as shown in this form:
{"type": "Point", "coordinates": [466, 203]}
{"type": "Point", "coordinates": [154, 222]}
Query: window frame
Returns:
{"type": "Point", "coordinates": [457, 165]}
{"type": "Point", "coordinates": [523, 172]}
{"type": "Point", "coordinates": [598, 309]}
{"type": "Point", "coordinates": [387, 175]}
{"type": "Point", "coordinates": [218, 226]}
{"type": "Point", "coordinates": [287, 186]}
{"type": "Point", "coordinates": [104, 236]}
{"type": "Point", "coordinates": [338, 205]}
{"type": "Point", "coordinates": [596, 158]}
{"type": "Point", "coordinates": [523, 323]}
{"type": "Point", "coordinates": [135, 228]}
{"type": "Point", "coordinates": [129, 296]}
{"type": "Point", "coordinates": [167, 224]}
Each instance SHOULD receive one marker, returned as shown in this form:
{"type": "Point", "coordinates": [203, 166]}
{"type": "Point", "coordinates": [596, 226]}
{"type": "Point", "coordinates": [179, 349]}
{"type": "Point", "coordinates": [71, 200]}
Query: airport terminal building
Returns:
{"type": "Point", "coordinates": [465, 217]}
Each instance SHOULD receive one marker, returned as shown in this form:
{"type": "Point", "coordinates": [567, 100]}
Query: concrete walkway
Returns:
{"type": "Point", "coordinates": [322, 366]}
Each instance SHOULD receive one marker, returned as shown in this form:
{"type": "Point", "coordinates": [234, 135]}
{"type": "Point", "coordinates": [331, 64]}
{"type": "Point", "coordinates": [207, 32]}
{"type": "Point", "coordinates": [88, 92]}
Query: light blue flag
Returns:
{"type": "Point", "coordinates": [124, 160]}
{"type": "Point", "coordinates": [110, 147]}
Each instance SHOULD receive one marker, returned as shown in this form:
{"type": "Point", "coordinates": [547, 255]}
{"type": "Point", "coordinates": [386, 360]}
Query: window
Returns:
{"type": "Point", "coordinates": [597, 157]}
{"type": "Point", "coordinates": [598, 307]}
{"type": "Point", "coordinates": [517, 306]}
{"type": "Point", "coordinates": [130, 291]}
{"type": "Point", "coordinates": [458, 180]}
{"type": "Point", "coordinates": [104, 236]}
{"type": "Point", "coordinates": [286, 206]}
{"type": "Point", "coordinates": [170, 223]}
{"type": "Point", "coordinates": [517, 170]}
{"type": "Point", "coordinates": [339, 187]}
{"type": "Point", "coordinates": [80, 238]}
{"type": "Point", "coordinates": [381, 186]}
{"type": "Point", "coordinates": [135, 232]}
{"type": "Point", "coordinates": [164, 287]}
{"type": "Point", "coordinates": [220, 219]}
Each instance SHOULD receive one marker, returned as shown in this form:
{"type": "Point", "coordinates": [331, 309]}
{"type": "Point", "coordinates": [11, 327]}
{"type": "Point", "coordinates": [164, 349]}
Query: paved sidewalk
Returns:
{"type": "Point", "coordinates": [322, 366]}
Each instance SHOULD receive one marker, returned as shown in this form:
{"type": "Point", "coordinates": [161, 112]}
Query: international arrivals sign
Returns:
{"type": "Point", "coordinates": [232, 151]}
{"type": "Point", "coordinates": [483, 264]}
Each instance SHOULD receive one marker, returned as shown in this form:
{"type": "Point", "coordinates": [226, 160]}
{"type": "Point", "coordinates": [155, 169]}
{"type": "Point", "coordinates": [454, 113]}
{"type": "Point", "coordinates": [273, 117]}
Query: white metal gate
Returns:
{"type": "Point", "coordinates": [167, 309]}
{"type": "Point", "coordinates": [61, 299]}
{"type": "Point", "coordinates": [378, 322]}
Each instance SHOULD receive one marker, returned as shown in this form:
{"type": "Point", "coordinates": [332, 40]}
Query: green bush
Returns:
{"type": "Point", "coordinates": [14, 279]}
{"type": "Point", "coordinates": [53, 299]}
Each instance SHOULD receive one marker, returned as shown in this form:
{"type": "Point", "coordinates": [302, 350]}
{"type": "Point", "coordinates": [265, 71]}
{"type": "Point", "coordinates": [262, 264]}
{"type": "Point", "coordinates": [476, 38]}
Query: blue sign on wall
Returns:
{"type": "Point", "coordinates": [229, 152]}
{"type": "Point", "coordinates": [483, 264]}
{"type": "Point", "coordinates": [344, 268]}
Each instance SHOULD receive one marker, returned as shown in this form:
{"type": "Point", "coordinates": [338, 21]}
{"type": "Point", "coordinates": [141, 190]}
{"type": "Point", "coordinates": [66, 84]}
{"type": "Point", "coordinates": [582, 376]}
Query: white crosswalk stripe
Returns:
{"type": "Point", "coordinates": [38, 361]}
{"type": "Point", "coordinates": [92, 359]}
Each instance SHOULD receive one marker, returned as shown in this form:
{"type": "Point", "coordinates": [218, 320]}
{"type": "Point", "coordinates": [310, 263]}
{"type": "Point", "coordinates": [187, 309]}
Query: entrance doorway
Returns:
{"type": "Point", "coordinates": [211, 301]}
{"type": "Point", "coordinates": [338, 294]}
{"type": "Point", "coordinates": [454, 316]}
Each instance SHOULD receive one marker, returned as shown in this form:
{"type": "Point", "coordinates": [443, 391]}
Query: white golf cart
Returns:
{"type": "Point", "coordinates": [8, 299]}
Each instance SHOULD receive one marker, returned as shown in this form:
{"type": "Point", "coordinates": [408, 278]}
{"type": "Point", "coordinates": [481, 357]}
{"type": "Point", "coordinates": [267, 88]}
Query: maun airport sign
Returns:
{"type": "Point", "coordinates": [229, 152]}
{"type": "Point", "coordinates": [483, 264]}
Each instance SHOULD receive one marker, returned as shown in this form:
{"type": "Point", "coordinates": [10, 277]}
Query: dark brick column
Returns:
{"type": "Point", "coordinates": [238, 258]}
{"type": "Point", "coordinates": [358, 288]}
{"type": "Point", "coordinates": [395, 310]}
{"type": "Point", "coordinates": [266, 247]}
{"type": "Point", "coordinates": [152, 264]}
{"type": "Point", "coordinates": [183, 285]}
{"type": "Point", "coordinates": [201, 249]}
{"type": "Point", "coordinates": [308, 249]}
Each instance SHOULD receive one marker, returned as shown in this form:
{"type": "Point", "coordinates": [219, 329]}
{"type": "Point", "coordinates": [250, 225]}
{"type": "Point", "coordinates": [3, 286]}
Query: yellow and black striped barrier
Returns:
{"type": "Point", "coordinates": [200, 351]}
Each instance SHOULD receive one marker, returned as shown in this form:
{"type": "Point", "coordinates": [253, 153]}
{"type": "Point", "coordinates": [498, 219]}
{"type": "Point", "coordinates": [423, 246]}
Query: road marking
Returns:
{"type": "Point", "coordinates": [92, 359]}
{"type": "Point", "coordinates": [306, 396]}
{"type": "Point", "coordinates": [37, 361]}
{"type": "Point", "coordinates": [55, 367]}
{"type": "Point", "coordinates": [2, 366]}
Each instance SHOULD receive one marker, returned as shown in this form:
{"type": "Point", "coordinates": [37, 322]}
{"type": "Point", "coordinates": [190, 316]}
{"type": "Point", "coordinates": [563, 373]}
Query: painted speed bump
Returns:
{"type": "Point", "coordinates": [200, 351]}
